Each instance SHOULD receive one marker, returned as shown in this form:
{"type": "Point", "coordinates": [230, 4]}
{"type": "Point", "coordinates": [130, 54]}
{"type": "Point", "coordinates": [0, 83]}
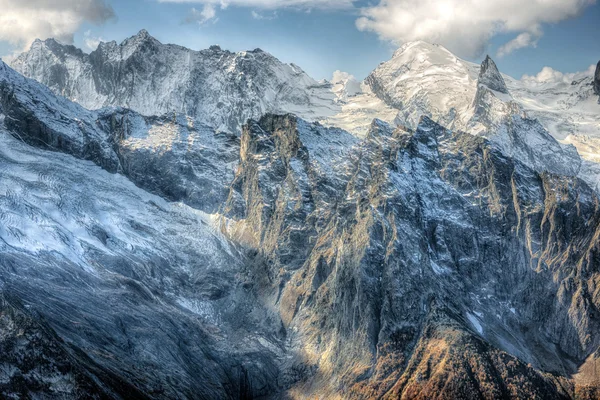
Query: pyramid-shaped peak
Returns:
{"type": "Point", "coordinates": [141, 37]}
{"type": "Point", "coordinates": [490, 76]}
{"type": "Point", "coordinates": [143, 34]}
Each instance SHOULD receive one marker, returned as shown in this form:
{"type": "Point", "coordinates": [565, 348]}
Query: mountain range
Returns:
{"type": "Point", "coordinates": [208, 224]}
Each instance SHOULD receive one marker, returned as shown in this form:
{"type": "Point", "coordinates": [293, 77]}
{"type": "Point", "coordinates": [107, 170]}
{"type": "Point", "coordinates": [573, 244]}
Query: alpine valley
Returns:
{"type": "Point", "coordinates": [179, 224]}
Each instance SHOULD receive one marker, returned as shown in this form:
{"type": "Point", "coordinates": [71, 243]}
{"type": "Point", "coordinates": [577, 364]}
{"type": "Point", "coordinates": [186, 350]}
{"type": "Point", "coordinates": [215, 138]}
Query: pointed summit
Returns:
{"type": "Point", "coordinates": [597, 79]}
{"type": "Point", "coordinates": [141, 37]}
{"type": "Point", "coordinates": [491, 77]}
{"type": "Point", "coordinates": [143, 34]}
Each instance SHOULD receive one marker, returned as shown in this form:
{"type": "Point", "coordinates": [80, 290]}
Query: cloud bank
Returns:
{"type": "Point", "coordinates": [466, 26]}
{"type": "Point", "coordinates": [552, 76]}
{"type": "Point", "coordinates": [22, 21]}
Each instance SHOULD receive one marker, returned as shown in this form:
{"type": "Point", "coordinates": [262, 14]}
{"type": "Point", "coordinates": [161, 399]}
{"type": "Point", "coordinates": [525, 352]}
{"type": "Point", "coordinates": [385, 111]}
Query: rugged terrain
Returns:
{"type": "Point", "coordinates": [214, 86]}
{"type": "Point", "coordinates": [160, 257]}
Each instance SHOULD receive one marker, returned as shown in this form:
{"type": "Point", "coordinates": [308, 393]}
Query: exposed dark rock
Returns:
{"type": "Point", "coordinates": [491, 77]}
{"type": "Point", "coordinates": [597, 79]}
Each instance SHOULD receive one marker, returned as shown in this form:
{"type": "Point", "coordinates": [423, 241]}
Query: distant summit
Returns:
{"type": "Point", "coordinates": [216, 87]}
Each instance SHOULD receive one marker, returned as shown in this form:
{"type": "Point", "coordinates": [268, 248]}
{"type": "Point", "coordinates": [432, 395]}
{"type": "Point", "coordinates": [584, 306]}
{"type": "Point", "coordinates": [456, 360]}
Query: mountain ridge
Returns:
{"type": "Point", "coordinates": [208, 83]}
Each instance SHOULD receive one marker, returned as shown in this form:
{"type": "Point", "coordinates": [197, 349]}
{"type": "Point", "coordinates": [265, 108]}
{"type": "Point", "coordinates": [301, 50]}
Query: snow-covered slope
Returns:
{"type": "Point", "coordinates": [170, 155]}
{"type": "Point", "coordinates": [426, 79]}
{"type": "Point", "coordinates": [216, 87]}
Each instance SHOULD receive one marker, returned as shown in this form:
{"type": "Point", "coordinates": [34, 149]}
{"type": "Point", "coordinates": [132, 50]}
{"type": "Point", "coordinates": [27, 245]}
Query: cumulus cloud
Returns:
{"type": "Point", "coordinates": [466, 26]}
{"type": "Point", "coordinates": [550, 75]}
{"type": "Point", "coordinates": [23, 21]}
{"type": "Point", "coordinates": [207, 13]}
{"type": "Point", "coordinates": [525, 39]}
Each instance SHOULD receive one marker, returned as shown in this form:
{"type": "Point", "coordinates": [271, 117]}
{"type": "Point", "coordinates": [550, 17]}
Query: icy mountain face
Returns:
{"type": "Point", "coordinates": [214, 86]}
{"type": "Point", "coordinates": [426, 79]}
{"type": "Point", "coordinates": [405, 264]}
{"type": "Point", "coordinates": [498, 117]}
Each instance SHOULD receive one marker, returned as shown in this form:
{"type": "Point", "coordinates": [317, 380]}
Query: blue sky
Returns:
{"type": "Point", "coordinates": [322, 39]}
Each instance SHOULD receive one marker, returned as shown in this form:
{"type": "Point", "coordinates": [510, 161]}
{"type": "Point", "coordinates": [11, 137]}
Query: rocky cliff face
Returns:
{"type": "Point", "coordinates": [471, 233]}
{"type": "Point", "coordinates": [120, 140]}
{"type": "Point", "coordinates": [297, 260]}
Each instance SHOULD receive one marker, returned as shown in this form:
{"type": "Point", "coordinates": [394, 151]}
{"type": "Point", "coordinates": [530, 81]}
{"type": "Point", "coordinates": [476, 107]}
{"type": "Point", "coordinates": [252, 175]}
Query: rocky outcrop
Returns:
{"type": "Point", "coordinates": [597, 79]}
{"type": "Point", "coordinates": [490, 76]}
{"type": "Point", "coordinates": [36, 362]}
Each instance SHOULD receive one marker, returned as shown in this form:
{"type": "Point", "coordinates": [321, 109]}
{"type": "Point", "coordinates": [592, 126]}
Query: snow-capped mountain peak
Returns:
{"type": "Point", "coordinates": [425, 79]}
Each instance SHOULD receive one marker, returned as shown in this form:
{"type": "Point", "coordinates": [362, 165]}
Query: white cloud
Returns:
{"type": "Point", "coordinates": [466, 26]}
{"type": "Point", "coordinates": [550, 75]}
{"type": "Point", "coordinates": [23, 21]}
{"type": "Point", "coordinates": [525, 39]}
{"type": "Point", "coordinates": [207, 13]}
{"type": "Point", "coordinates": [263, 16]}
{"type": "Point", "coordinates": [90, 41]}
{"type": "Point", "coordinates": [341, 76]}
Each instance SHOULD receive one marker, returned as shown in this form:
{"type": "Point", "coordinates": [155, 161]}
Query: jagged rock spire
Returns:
{"type": "Point", "coordinates": [491, 77]}
{"type": "Point", "coordinates": [597, 79]}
